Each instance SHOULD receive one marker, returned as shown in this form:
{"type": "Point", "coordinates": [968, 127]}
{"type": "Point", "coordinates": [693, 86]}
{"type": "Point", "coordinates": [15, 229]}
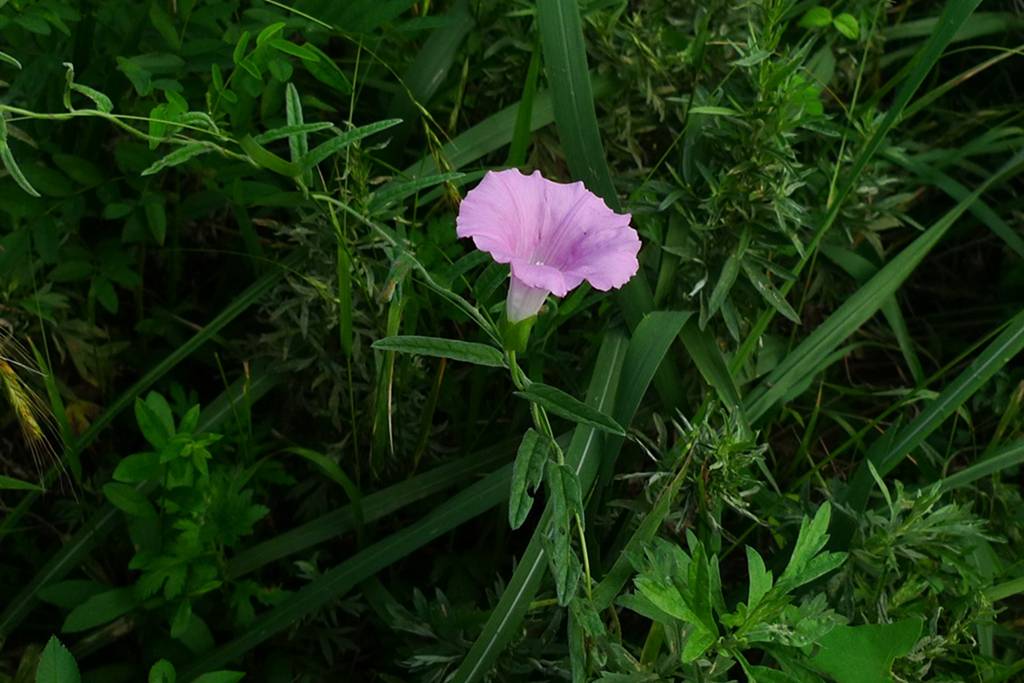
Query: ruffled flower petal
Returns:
{"type": "Point", "coordinates": [554, 235]}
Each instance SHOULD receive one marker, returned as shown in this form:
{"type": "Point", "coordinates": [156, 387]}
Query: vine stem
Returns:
{"type": "Point", "coordinates": [540, 420]}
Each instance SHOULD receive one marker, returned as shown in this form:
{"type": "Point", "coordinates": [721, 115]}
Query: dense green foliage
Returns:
{"type": "Point", "coordinates": [258, 422]}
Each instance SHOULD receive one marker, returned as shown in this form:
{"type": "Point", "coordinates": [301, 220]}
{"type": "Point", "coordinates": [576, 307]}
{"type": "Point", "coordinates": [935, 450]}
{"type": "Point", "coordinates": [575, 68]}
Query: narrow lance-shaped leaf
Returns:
{"type": "Point", "coordinates": [527, 474]}
{"type": "Point", "coordinates": [468, 352]}
{"type": "Point", "coordinates": [10, 164]}
{"type": "Point", "coordinates": [335, 145]}
{"type": "Point", "coordinates": [561, 403]}
{"type": "Point", "coordinates": [179, 156]}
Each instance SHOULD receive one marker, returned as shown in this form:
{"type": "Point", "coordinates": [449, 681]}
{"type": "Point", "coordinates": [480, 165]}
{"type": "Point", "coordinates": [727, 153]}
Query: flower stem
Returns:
{"type": "Point", "coordinates": [586, 558]}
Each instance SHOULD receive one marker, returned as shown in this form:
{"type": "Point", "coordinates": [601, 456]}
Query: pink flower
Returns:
{"type": "Point", "coordinates": [553, 235]}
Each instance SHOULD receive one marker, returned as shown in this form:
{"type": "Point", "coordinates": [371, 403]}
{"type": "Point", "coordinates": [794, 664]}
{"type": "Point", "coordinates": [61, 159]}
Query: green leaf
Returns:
{"type": "Point", "coordinates": [269, 32]}
{"type": "Point", "coordinates": [100, 609]}
{"type": "Point", "coordinates": [816, 17]}
{"type": "Point", "coordinates": [155, 419]}
{"type": "Point", "coordinates": [527, 474]}
{"type": "Point", "coordinates": [162, 672]}
{"type": "Point", "coordinates": [70, 594]}
{"type": "Point", "coordinates": [156, 217]}
{"type": "Point", "coordinates": [805, 564]}
{"type": "Point", "coordinates": [864, 654]}
{"type": "Point", "coordinates": [101, 101]}
{"type": "Point", "coordinates": [697, 643]}
{"type": "Point", "coordinates": [1011, 455]}
{"type": "Point", "coordinates": [56, 665]}
{"type": "Point", "coordinates": [326, 71]}
{"type": "Point", "coordinates": [760, 578]}
{"type": "Point", "coordinates": [524, 112]}
{"type": "Point", "coordinates": [847, 24]}
{"type": "Point", "coordinates": [727, 278]}
{"type": "Point", "coordinates": [10, 164]}
{"type": "Point", "coordinates": [182, 619]}
{"type": "Point", "coordinates": [336, 144]}
{"type": "Point", "coordinates": [290, 48]}
{"type": "Point", "coordinates": [565, 60]}
{"type": "Point", "coordinates": [12, 484]}
{"type": "Point", "coordinates": [584, 454]}
{"type": "Point", "coordinates": [709, 110]}
{"type": "Point", "coordinates": [768, 291]}
{"type": "Point", "coordinates": [290, 130]}
{"type": "Point", "coordinates": [468, 352]}
{"type": "Point", "coordinates": [138, 467]}
{"type": "Point", "coordinates": [298, 141]}
{"type": "Point", "coordinates": [179, 156]}
{"type": "Point", "coordinates": [399, 190]}
{"type": "Point", "coordinates": [238, 54]}
{"type": "Point", "coordinates": [220, 677]}
{"type": "Point", "coordinates": [128, 499]}
{"type": "Point", "coordinates": [163, 24]}
{"type": "Point", "coordinates": [4, 57]}
{"type": "Point", "coordinates": [264, 158]}
{"type": "Point", "coordinates": [561, 403]}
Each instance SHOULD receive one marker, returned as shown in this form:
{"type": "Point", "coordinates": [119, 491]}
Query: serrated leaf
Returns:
{"type": "Point", "coordinates": [561, 403]}
{"type": "Point", "coordinates": [56, 665]}
{"type": "Point", "coordinates": [527, 474]}
{"type": "Point", "coordinates": [468, 352]}
{"type": "Point", "coordinates": [804, 564]}
{"type": "Point", "coordinates": [666, 598]}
